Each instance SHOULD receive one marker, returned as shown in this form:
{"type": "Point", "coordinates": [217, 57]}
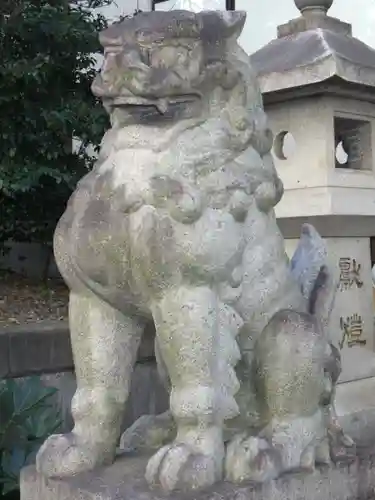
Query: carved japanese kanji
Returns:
{"type": "Point", "coordinates": [349, 273]}
{"type": "Point", "coordinates": [352, 330]}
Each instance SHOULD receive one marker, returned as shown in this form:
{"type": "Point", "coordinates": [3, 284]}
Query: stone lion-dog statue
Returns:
{"type": "Point", "coordinates": [176, 225]}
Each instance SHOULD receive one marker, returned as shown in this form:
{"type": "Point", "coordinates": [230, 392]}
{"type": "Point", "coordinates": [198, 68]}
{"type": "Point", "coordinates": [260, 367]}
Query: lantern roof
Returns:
{"type": "Point", "coordinates": [313, 49]}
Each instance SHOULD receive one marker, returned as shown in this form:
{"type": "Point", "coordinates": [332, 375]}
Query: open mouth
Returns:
{"type": "Point", "coordinates": [123, 101]}
{"type": "Point", "coordinates": [139, 106]}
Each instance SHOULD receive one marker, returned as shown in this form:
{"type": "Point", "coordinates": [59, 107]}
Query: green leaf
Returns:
{"type": "Point", "coordinates": [19, 402]}
{"type": "Point", "coordinates": [28, 418]}
{"type": "Point", "coordinates": [47, 64]}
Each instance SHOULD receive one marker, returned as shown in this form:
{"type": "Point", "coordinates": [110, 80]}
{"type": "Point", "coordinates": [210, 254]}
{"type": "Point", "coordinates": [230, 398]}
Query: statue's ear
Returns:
{"type": "Point", "coordinates": [234, 22]}
{"type": "Point", "coordinates": [221, 25]}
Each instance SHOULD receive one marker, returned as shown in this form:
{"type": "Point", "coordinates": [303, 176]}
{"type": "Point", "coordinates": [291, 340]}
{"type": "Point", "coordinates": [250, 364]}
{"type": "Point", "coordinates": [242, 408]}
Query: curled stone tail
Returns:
{"type": "Point", "coordinates": [322, 297]}
{"type": "Point", "coordinates": [317, 290]}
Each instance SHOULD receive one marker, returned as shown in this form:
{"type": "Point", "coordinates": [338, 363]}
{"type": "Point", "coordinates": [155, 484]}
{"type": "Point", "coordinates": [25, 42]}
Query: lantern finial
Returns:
{"type": "Point", "coordinates": [306, 6]}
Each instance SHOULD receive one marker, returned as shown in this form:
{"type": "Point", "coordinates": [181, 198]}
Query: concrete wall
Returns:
{"type": "Point", "coordinates": [147, 395]}
{"type": "Point", "coordinates": [29, 259]}
{"type": "Point", "coordinates": [44, 349]}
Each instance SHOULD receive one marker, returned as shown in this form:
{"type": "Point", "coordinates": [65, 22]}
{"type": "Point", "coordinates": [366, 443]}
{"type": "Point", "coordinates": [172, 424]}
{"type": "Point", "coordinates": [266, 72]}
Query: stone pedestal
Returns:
{"type": "Point", "coordinates": [352, 330]}
{"type": "Point", "coordinates": [351, 322]}
{"type": "Point", "coordinates": [124, 481]}
{"type": "Point", "coordinates": [355, 406]}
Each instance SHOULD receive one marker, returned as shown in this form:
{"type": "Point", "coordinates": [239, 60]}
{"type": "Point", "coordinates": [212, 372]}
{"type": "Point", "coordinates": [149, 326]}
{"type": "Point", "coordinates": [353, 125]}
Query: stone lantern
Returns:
{"type": "Point", "coordinates": [318, 85]}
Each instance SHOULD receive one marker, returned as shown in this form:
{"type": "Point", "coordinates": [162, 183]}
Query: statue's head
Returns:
{"type": "Point", "coordinates": [165, 59]}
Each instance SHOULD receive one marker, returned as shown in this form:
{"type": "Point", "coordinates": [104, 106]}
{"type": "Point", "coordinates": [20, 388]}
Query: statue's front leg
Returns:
{"type": "Point", "coordinates": [188, 331]}
{"type": "Point", "coordinates": [105, 344]}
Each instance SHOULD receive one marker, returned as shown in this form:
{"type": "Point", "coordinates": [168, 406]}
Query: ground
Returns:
{"type": "Point", "coordinates": [23, 300]}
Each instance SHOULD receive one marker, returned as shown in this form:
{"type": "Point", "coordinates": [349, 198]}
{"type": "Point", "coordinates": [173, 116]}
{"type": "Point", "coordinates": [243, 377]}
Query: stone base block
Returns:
{"type": "Point", "coordinates": [355, 406]}
{"type": "Point", "coordinates": [124, 480]}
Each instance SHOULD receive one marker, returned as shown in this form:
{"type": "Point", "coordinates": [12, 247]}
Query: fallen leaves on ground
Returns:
{"type": "Point", "coordinates": [24, 300]}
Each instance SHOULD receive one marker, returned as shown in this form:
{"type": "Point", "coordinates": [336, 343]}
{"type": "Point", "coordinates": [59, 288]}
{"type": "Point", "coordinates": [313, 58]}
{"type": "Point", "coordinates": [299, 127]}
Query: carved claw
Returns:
{"type": "Point", "coordinates": [179, 466]}
{"type": "Point", "coordinates": [251, 458]}
{"type": "Point", "coordinates": [63, 455]}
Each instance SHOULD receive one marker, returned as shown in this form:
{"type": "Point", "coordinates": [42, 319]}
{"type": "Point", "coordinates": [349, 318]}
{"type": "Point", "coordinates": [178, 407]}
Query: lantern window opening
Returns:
{"type": "Point", "coordinates": [352, 144]}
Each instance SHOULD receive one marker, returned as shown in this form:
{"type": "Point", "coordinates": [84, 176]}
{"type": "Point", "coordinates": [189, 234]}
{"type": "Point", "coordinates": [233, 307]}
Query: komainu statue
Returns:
{"type": "Point", "coordinates": [176, 225]}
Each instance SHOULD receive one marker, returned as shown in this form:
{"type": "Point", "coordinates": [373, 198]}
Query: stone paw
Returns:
{"type": "Point", "coordinates": [62, 455]}
{"type": "Point", "coordinates": [250, 458]}
{"type": "Point", "coordinates": [178, 466]}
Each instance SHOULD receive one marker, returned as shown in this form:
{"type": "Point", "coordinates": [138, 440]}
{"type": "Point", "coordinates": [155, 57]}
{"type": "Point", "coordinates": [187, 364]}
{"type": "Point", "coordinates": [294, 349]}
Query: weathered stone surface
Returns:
{"type": "Point", "coordinates": [319, 43]}
{"type": "Point", "coordinates": [198, 5]}
{"type": "Point", "coordinates": [147, 394]}
{"type": "Point", "coordinates": [44, 347]}
{"type": "Point", "coordinates": [176, 223]}
{"type": "Point", "coordinates": [355, 405]}
{"type": "Point", "coordinates": [125, 481]}
{"type": "Point", "coordinates": [38, 348]}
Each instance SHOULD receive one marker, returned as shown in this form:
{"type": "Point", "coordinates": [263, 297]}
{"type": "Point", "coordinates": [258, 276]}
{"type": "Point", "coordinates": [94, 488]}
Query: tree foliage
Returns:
{"type": "Point", "coordinates": [48, 56]}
